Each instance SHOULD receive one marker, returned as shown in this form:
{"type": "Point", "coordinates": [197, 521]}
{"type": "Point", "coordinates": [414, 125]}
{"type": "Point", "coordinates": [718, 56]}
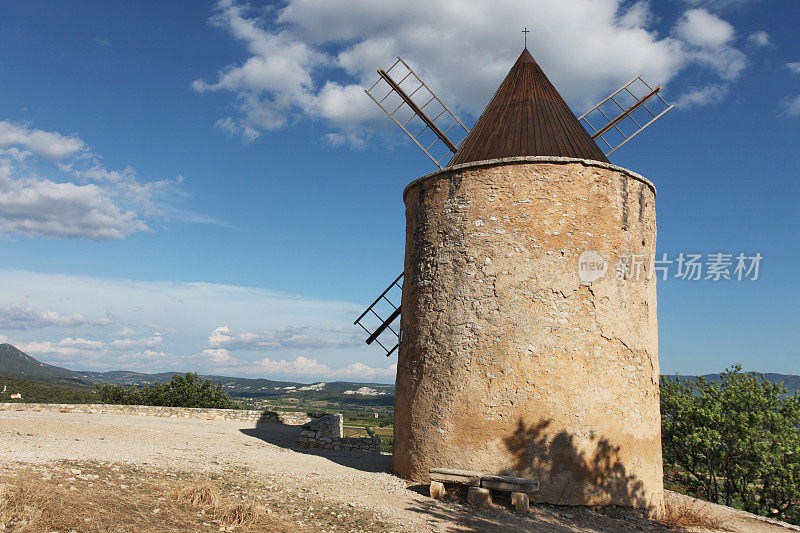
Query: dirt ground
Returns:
{"type": "Point", "coordinates": [262, 467]}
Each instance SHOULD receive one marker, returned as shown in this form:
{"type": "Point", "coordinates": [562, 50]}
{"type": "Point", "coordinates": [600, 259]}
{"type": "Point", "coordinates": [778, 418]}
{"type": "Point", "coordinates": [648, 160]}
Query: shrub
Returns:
{"type": "Point", "coordinates": [181, 391]}
{"type": "Point", "coordinates": [735, 442]}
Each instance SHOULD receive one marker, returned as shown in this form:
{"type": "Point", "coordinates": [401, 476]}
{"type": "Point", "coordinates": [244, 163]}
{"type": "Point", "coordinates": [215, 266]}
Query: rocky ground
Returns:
{"type": "Point", "coordinates": [123, 472]}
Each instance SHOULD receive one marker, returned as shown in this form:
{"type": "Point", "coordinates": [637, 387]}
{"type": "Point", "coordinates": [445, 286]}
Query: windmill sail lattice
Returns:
{"type": "Point", "coordinates": [630, 112]}
{"type": "Point", "coordinates": [526, 117]}
{"type": "Point", "coordinates": [418, 111]}
{"type": "Point", "coordinates": [380, 319]}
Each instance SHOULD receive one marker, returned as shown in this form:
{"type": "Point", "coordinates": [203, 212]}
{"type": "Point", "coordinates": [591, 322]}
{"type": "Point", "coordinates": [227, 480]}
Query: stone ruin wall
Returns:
{"type": "Point", "coordinates": [261, 417]}
{"type": "Point", "coordinates": [509, 364]}
{"type": "Point", "coordinates": [327, 432]}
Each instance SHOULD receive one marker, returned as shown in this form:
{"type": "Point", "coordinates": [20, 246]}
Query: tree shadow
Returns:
{"type": "Point", "coordinates": [458, 517]}
{"type": "Point", "coordinates": [454, 515]}
{"type": "Point", "coordinates": [572, 470]}
{"type": "Point", "coordinates": [568, 473]}
{"type": "Point", "coordinates": [288, 437]}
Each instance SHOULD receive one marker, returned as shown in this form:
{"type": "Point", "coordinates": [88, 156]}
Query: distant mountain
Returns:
{"type": "Point", "coordinates": [250, 387]}
{"type": "Point", "coordinates": [17, 364]}
{"type": "Point", "coordinates": [791, 382]}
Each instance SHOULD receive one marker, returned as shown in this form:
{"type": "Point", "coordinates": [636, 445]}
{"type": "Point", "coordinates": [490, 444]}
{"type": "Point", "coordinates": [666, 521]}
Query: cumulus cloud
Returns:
{"type": "Point", "coordinates": [36, 207]}
{"type": "Point", "coordinates": [176, 326]}
{"type": "Point", "coordinates": [223, 340]}
{"type": "Point", "coordinates": [24, 316]}
{"type": "Point", "coordinates": [310, 59]}
{"type": "Point", "coordinates": [707, 41]}
{"type": "Point", "coordinates": [218, 355]}
{"type": "Point", "coordinates": [98, 353]}
{"type": "Point", "coordinates": [760, 39]}
{"type": "Point", "coordinates": [710, 94]}
{"type": "Point", "coordinates": [362, 371]}
{"type": "Point", "coordinates": [791, 106]}
{"type": "Point", "coordinates": [47, 144]}
{"type": "Point", "coordinates": [82, 199]}
{"type": "Point", "coordinates": [302, 366]}
{"type": "Point", "coordinates": [794, 67]}
{"type": "Point", "coordinates": [293, 337]}
{"type": "Point", "coordinates": [299, 368]}
{"type": "Point", "coordinates": [701, 28]}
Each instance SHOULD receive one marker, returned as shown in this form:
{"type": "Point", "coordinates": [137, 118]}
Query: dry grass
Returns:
{"type": "Point", "coordinates": [15, 508]}
{"type": "Point", "coordinates": [240, 514]}
{"type": "Point", "coordinates": [207, 498]}
{"type": "Point", "coordinates": [687, 514]}
{"type": "Point", "coordinates": [197, 496]}
{"type": "Point", "coordinates": [95, 497]}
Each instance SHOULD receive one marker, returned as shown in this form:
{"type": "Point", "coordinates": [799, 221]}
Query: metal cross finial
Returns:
{"type": "Point", "coordinates": [525, 33]}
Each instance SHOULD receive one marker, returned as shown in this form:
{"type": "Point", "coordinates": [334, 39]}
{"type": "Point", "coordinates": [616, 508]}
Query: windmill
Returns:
{"type": "Point", "coordinates": [440, 134]}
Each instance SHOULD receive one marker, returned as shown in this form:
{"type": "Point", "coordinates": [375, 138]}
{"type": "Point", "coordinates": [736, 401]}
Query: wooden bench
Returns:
{"type": "Point", "coordinates": [481, 484]}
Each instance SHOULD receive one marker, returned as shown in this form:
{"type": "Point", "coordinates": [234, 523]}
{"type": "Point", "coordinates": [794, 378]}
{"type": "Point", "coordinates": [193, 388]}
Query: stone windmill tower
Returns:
{"type": "Point", "coordinates": [522, 350]}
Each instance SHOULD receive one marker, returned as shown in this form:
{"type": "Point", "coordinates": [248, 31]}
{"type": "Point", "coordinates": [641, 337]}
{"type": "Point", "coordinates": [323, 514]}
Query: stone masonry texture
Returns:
{"type": "Point", "coordinates": [261, 417]}
{"type": "Point", "coordinates": [509, 363]}
{"type": "Point", "coordinates": [327, 432]}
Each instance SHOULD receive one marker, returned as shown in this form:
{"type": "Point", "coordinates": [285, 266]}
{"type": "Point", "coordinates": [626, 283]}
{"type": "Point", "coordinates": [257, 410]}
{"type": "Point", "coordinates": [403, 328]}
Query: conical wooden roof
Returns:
{"type": "Point", "coordinates": [527, 116]}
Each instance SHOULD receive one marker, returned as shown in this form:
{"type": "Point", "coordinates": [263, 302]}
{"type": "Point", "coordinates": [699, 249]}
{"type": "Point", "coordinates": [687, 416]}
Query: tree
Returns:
{"type": "Point", "coordinates": [181, 391]}
{"type": "Point", "coordinates": [735, 442]}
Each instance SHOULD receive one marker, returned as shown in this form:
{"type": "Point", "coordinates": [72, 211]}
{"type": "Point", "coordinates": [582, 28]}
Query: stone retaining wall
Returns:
{"type": "Point", "coordinates": [260, 417]}
{"type": "Point", "coordinates": [327, 432]}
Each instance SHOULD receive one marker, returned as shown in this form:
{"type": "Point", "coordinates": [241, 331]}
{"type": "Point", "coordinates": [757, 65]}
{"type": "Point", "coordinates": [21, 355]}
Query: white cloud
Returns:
{"type": "Point", "coordinates": [760, 39]}
{"type": "Point", "coordinates": [218, 355]}
{"type": "Point", "coordinates": [36, 207]}
{"type": "Point", "coordinates": [310, 59]}
{"type": "Point", "coordinates": [794, 67]}
{"type": "Point", "coordinates": [49, 145]}
{"type": "Point", "coordinates": [710, 94]}
{"type": "Point", "coordinates": [300, 368]}
{"type": "Point", "coordinates": [701, 28]}
{"type": "Point", "coordinates": [294, 337]}
{"type": "Point", "coordinates": [707, 42]}
{"type": "Point", "coordinates": [24, 316]}
{"type": "Point", "coordinates": [176, 326]}
{"type": "Point", "coordinates": [83, 199]}
{"type": "Point", "coordinates": [792, 106]}
{"type": "Point", "coordinates": [92, 352]}
{"type": "Point", "coordinates": [362, 371]}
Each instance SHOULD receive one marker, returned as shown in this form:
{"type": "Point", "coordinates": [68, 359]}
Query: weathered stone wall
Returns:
{"type": "Point", "coordinates": [509, 364]}
{"type": "Point", "coordinates": [261, 417]}
{"type": "Point", "coordinates": [327, 432]}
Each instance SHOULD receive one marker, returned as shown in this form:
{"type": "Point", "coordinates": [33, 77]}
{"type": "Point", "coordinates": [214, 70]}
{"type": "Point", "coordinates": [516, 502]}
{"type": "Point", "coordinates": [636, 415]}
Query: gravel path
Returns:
{"type": "Point", "coordinates": [271, 451]}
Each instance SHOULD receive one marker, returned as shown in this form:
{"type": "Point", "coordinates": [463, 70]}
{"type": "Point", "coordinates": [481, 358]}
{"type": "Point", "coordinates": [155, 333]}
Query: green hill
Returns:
{"type": "Point", "coordinates": [16, 364]}
{"type": "Point", "coordinates": [36, 392]}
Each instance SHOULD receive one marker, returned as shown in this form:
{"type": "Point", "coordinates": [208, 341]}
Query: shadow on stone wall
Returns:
{"type": "Point", "coordinates": [568, 474]}
{"type": "Point", "coordinates": [288, 437]}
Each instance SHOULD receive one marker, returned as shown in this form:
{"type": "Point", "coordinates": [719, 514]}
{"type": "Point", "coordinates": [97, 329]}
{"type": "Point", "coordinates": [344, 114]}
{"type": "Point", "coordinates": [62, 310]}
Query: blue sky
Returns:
{"type": "Point", "coordinates": [201, 185]}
